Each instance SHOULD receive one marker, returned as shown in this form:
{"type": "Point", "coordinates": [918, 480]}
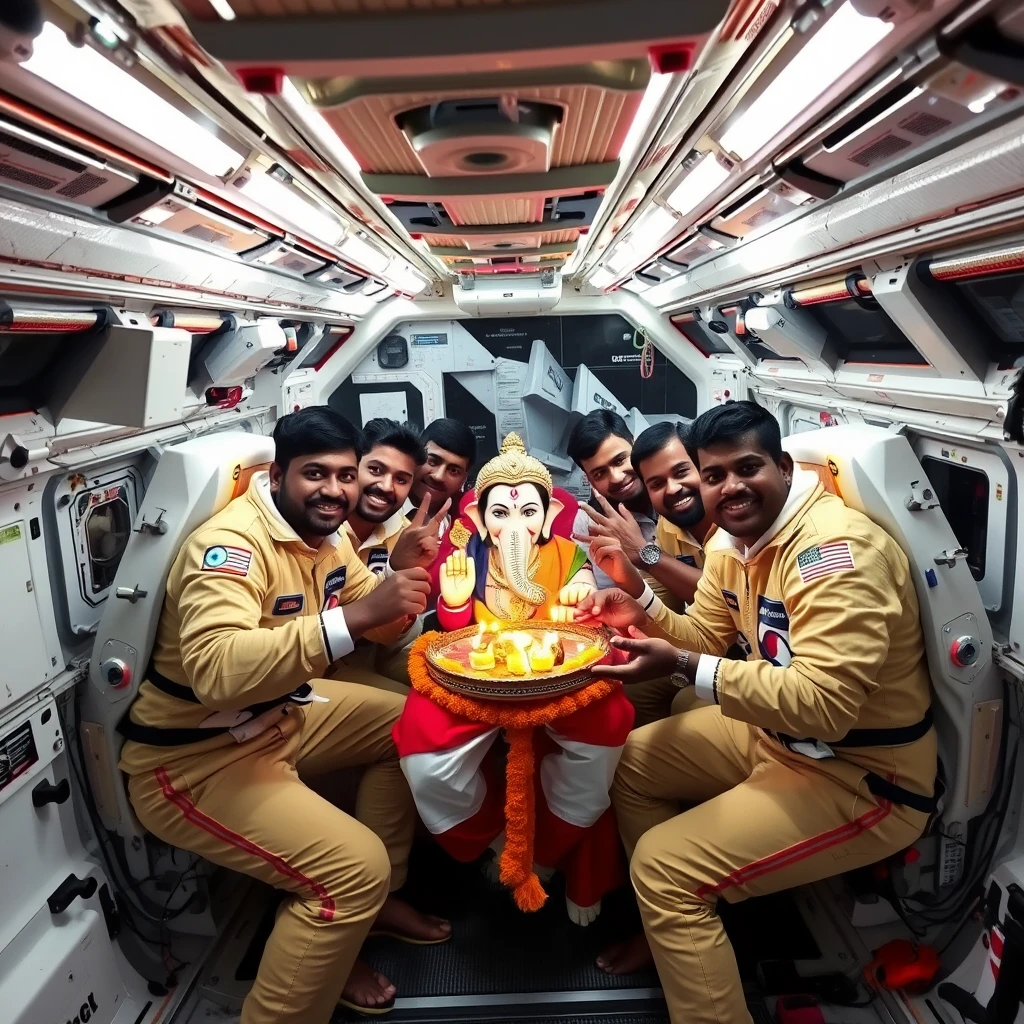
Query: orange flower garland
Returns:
{"type": "Point", "coordinates": [518, 720]}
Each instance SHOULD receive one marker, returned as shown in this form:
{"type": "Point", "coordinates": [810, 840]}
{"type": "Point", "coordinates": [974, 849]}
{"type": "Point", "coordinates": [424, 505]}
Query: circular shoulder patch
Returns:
{"type": "Point", "coordinates": [215, 557]}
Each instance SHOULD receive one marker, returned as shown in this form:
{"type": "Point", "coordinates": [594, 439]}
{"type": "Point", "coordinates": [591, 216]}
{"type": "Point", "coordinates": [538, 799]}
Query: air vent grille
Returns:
{"type": "Point", "coordinates": [762, 216]}
{"type": "Point", "coordinates": [24, 177]}
{"type": "Point", "coordinates": [881, 149]}
{"type": "Point", "coordinates": [82, 184]}
{"type": "Point", "coordinates": [924, 124]}
{"type": "Point", "coordinates": [31, 149]}
{"type": "Point", "coordinates": [206, 234]}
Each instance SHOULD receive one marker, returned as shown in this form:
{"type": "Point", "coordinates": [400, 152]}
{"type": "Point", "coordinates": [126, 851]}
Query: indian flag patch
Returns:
{"type": "Point", "coordinates": [824, 559]}
{"type": "Point", "coordinates": [227, 560]}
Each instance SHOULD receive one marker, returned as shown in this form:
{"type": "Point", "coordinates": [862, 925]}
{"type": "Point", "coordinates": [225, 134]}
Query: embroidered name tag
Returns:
{"type": "Point", "coordinates": [333, 586]}
{"type": "Point", "coordinates": [289, 604]}
{"type": "Point", "coordinates": [377, 559]}
{"type": "Point", "coordinates": [227, 560]}
{"type": "Point", "coordinates": [731, 600]}
{"type": "Point", "coordinates": [773, 632]}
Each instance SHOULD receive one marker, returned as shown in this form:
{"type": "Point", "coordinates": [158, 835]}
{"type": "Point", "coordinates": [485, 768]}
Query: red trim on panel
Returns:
{"type": "Point", "coordinates": [56, 127]}
{"type": "Point", "coordinates": [214, 828]}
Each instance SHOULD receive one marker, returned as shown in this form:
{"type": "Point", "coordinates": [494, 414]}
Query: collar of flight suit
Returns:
{"type": "Point", "coordinates": [381, 533]}
{"type": "Point", "coordinates": [280, 530]}
{"type": "Point", "coordinates": [805, 488]}
{"type": "Point", "coordinates": [684, 535]}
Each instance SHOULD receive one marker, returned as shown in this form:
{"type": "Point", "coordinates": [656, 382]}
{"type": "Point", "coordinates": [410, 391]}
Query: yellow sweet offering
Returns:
{"type": "Point", "coordinates": [482, 658]}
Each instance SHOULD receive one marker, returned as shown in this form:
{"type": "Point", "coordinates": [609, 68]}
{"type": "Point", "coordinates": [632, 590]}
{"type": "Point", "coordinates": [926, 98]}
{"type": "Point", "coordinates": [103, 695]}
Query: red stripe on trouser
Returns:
{"type": "Point", "coordinates": [801, 851]}
{"type": "Point", "coordinates": [239, 842]}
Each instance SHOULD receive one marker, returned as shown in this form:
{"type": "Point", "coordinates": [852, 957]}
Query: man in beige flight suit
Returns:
{"type": "Point", "coordinates": [260, 601]}
{"type": "Point", "coordinates": [392, 456]}
{"type": "Point", "coordinates": [818, 755]}
{"type": "Point", "coordinates": [602, 446]}
{"type": "Point", "coordinates": [664, 466]}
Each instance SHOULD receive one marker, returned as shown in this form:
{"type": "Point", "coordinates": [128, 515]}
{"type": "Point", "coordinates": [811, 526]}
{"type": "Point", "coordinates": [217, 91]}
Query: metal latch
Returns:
{"type": "Point", "coordinates": [921, 497]}
{"type": "Point", "coordinates": [132, 594]}
{"type": "Point", "coordinates": [949, 557]}
{"type": "Point", "coordinates": [159, 525]}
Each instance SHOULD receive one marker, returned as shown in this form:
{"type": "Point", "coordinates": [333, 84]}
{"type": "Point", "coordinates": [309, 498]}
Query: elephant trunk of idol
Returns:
{"type": "Point", "coordinates": [516, 546]}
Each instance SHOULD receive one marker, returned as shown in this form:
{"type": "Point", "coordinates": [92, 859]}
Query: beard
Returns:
{"type": "Point", "coordinates": [307, 519]}
{"type": "Point", "coordinates": [372, 513]}
{"type": "Point", "coordinates": [689, 516]}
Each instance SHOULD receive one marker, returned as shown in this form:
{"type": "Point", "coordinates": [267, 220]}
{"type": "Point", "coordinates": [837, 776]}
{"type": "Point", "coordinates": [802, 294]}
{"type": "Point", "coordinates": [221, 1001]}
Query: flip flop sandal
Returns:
{"type": "Point", "coordinates": [384, 932]}
{"type": "Point", "coordinates": [368, 1011]}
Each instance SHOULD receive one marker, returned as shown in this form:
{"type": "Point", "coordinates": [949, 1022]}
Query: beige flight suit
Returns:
{"type": "Point", "coordinates": [377, 664]}
{"type": "Point", "coordinates": [653, 698]}
{"type": "Point", "coordinates": [681, 545]}
{"type": "Point", "coordinates": [827, 604]}
{"type": "Point", "coordinates": [251, 614]}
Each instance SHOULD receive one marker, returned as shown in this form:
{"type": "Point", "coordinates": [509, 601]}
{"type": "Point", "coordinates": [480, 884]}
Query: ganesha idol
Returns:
{"type": "Point", "coordinates": [513, 570]}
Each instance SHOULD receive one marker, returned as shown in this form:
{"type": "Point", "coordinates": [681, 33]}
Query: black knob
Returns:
{"type": "Point", "coordinates": [115, 675]}
{"type": "Point", "coordinates": [46, 793]}
{"type": "Point", "coordinates": [19, 457]}
{"type": "Point", "coordinates": [68, 891]}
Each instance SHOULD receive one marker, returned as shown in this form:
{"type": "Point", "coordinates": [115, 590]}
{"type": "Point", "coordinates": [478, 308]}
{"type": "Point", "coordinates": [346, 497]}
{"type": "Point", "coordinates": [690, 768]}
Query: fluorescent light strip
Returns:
{"type": "Point", "coordinates": [283, 201]}
{"type": "Point", "coordinates": [405, 279]}
{"type": "Point", "coordinates": [601, 278]}
{"type": "Point", "coordinates": [87, 75]}
{"type": "Point", "coordinates": [701, 180]}
{"type": "Point", "coordinates": [223, 8]}
{"type": "Point", "coordinates": [312, 119]}
{"type": "Point", "coordinates": [364, 255]}
{"type": "Point", "coordinates": [826, 57]}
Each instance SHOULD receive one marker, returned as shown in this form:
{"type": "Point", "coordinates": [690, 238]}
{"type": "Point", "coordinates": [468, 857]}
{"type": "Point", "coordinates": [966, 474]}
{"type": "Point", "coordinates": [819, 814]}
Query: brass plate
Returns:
{"type": "Point", "coordinates": [508, 687]}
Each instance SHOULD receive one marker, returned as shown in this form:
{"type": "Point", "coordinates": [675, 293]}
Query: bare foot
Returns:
{"type": "Point", "coordinates": [402, 921]}
{"type": "Point", "coordinates": [629, 957]}
{"type": "Point", "coordinates": [367, 991]}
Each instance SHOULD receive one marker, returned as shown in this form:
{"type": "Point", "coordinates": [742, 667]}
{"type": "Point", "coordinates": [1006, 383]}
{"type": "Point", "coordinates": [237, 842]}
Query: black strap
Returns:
{"type": "Point", "coordinates": [898, 795]}
{"type": "Point", "coordinates": [897, 736]}
{"type": "Point", "coordinates": [161, 736]}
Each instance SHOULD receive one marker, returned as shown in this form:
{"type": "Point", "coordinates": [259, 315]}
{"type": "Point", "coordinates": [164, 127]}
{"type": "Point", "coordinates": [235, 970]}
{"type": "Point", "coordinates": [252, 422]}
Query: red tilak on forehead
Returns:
{"type": "Point", "coordinates": [515, 493]}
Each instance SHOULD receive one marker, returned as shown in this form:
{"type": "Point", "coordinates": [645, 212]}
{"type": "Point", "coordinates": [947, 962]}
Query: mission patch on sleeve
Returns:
{"type": "Point", "coordinates": [227, 560]}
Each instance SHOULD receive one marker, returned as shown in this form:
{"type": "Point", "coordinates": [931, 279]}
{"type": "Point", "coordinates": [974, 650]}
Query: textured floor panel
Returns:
{"type": "Point", "coordinates": [497, 949]}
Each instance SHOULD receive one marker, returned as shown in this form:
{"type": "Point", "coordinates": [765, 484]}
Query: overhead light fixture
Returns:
{"type": "Point", "coordinates": [651, 227]}
{"type": "Point", "coordinates": [281, 199]}
{"type": "Point", "coordinates": [700, 181]}
{"type": "Point", "coordinates": [827, 56]}
{"type": "Point", "coordinates": [635, 286]}
{"type": "Point", "coordinates": [657, 86]}
{"type": "Point", "coordinates": [314, 121]}
{"type": "Point", "coordinates": [87, 75]}
{"type": "Point", "coordinates": [602, 277]}
{"type": "Point", "coordinates": [622, 256]}
{"type": "Point", "coordinates": [364, 255]}
{"type": "Point", "coordinates": [405, 279]}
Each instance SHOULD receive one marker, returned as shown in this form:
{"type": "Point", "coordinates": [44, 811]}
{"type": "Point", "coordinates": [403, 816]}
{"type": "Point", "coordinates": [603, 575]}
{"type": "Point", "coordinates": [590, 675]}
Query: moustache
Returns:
{"type": "Point", "coordinates": [340, 503]}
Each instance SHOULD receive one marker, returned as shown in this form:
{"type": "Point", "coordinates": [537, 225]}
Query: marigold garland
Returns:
{"type": "Point", "coordinates": [518, 720]}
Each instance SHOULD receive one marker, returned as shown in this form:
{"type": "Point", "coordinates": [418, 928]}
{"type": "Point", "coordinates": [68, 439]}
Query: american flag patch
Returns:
{"type": "Point", "coordinates": [824, 559]}
{"type": "Point", "coordinates": [227, 560]}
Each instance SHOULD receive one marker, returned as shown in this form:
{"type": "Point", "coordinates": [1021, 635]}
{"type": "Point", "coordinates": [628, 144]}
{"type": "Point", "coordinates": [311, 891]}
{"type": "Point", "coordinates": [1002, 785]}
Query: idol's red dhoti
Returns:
{"type": "Point", "coordinates": [460, 790]}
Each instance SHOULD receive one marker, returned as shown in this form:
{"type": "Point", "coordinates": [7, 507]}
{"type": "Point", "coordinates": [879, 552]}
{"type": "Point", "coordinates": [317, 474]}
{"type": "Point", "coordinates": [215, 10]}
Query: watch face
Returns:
{"type": "Point", "coordinates": [649, 554]}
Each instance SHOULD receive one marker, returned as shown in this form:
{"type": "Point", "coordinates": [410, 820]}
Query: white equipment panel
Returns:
{"type": "Point", "coordinates": [25, 663]}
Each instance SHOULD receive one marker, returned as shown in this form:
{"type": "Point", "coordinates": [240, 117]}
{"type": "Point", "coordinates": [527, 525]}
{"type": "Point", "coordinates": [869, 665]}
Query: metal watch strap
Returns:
{"type": "Point", "coordinates": [680, 677]}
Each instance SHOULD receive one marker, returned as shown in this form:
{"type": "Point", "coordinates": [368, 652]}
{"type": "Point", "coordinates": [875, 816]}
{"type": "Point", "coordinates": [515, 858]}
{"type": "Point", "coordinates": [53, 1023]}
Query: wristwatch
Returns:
{"type": "Point", "coordinates": [681, 676]}
{"type": "Point", "coordinates": [650, 554]}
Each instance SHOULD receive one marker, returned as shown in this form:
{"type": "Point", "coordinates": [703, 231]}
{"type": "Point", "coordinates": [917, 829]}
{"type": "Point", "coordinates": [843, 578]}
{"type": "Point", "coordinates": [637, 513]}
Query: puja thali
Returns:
{"type": "Point", "coordinates": [516, 660]}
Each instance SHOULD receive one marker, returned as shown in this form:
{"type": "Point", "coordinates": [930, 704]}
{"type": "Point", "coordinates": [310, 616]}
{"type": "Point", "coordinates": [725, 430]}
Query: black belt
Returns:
{"type": "Point", "coordinates": [898, 736]}
{"type": "Point", "coordinates": [894, 737]}
{"type": "Point", "coordinates": [160, 736]}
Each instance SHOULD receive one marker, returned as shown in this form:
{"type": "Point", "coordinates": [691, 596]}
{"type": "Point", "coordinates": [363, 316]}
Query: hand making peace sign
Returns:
{"type": "Point", "coordinates": [419, 542]}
